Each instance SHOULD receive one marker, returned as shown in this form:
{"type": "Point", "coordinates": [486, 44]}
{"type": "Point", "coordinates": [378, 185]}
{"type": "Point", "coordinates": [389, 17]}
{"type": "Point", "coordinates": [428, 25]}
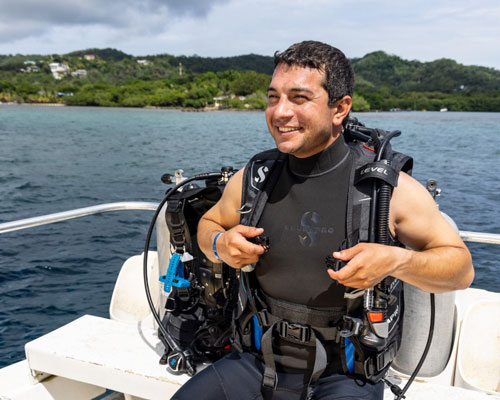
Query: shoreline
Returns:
{"type": "Point", "coordinates": [14, 103]}
{"type": "Point", "coordinates": [214, 109]}
{"type": "Point", "coordinates": [183, 109]}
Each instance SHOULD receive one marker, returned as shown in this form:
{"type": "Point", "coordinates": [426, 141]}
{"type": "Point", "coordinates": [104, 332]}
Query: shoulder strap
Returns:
{"type": "Point", "coordinates": [402, 162]}
{"type": "Point", "coordinates": [260, 176]}
{"type": "Point", "coordinates": [359, 195]}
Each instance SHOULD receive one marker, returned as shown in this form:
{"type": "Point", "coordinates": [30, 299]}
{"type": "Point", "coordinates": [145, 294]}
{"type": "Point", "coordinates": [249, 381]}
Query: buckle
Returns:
{"type": "Point", "coordinates": [352, 326]}
{"type": "Point", "coordinates": [170, 305]}
{"type": "Point", "coordinates": [296, 332]}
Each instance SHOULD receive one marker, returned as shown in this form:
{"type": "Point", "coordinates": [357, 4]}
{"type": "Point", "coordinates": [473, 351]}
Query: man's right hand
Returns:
{"type": "Point", "coordinates": [235, 250]}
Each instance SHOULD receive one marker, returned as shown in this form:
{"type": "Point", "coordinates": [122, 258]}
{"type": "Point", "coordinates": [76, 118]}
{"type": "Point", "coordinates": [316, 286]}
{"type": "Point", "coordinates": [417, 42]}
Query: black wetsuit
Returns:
{"type": "Point", "coordinates": [305, 221]}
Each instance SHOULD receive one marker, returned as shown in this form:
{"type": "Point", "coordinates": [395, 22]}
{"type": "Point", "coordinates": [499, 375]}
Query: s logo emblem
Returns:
{"type": "Point", "coordinates": [262, 171]}
{"type": "Point", "coordinates": [310, 236]}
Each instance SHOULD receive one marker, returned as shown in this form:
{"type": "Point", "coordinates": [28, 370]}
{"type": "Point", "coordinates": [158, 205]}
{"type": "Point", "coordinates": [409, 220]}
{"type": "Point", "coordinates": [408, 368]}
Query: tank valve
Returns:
{"type": "Point", "coordinates": [167, 179]}
{"type": "Point", "coordinates": [178, 176]}
{"type": "Point", "coordinates": [227, 172]}
{"type": "Point", "coordinates": [433, 189]}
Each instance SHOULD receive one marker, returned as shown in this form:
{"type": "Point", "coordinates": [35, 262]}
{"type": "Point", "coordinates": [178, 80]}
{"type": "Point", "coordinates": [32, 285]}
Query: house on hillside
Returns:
{"type": "Point", "coordinates": [79, 73]}
{"type": "Point", "coordinates": [59, 70]}
{"type": "Point", "coordinates": [30, 62]}
{"type": "Point", "coordinates": [218, 101]}
{"type": "Point", "coordinates": [143, 62]}
{"type": "Point", "coordinates": [89, 57]}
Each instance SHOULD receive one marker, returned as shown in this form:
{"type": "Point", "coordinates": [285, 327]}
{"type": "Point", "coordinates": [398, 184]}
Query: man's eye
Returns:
{"type": "Point", "coordinates": [300, 98]}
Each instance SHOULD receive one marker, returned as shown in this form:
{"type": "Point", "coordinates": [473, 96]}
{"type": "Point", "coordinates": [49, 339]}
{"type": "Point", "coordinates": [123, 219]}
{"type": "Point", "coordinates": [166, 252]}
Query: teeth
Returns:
{"type": "Point", "coordinates": [286, 129]}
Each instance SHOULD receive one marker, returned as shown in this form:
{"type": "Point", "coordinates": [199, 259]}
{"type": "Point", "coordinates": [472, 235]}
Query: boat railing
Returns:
{"type": "Point", "coordinates": [467, 236]}
{"type": "Point", "coordinates": [76, 213]}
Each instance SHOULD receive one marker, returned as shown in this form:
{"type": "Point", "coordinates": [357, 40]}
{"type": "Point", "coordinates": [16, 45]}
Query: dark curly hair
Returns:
{"type": "Point", "coordinates": [339, 75]}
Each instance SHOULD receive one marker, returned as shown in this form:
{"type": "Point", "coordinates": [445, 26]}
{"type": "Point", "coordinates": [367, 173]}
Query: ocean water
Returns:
{"type": "Point", "coordinates": [60, 158]}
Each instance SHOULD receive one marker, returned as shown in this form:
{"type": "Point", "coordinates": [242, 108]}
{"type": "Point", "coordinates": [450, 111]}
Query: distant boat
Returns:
{"type": "Point", "coordinates": [443, 110]}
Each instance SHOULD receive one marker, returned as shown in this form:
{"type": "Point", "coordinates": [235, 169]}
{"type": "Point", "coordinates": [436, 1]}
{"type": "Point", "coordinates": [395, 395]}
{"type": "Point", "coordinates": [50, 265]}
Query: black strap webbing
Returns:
{"type": "Point", "coordinates": [302, 314]}
{"type": "Point", "coordinates": [270, 377]}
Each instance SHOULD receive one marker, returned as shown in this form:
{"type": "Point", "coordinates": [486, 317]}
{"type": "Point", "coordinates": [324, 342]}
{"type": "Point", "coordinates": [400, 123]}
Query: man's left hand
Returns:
{"type": "Point", "coordinates": [368, 264]}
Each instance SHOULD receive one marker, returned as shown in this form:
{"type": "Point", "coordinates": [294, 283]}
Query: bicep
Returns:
{"type": "Point", "coordinates": [416, 219]}
{"type": "Point", "coordinates": [224, 211]}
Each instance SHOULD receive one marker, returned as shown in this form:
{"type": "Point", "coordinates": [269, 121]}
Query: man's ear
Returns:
{"type": "Point", "coordinates": [342, 108]}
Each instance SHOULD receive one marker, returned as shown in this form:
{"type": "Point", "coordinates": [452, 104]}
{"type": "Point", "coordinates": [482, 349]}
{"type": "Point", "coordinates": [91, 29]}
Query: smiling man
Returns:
{"type": "Point", "coordinates": [291, 306]}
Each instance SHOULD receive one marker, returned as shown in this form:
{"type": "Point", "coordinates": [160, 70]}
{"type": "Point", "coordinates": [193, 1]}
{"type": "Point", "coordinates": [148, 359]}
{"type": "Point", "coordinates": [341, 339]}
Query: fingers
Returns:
{"type": "Point", "coordinates": [250, 231]}
{"type": "Point", "coordinates": [347, 254]}
{"type": "Point", "coordinates": [349, 269]}
{"type": "Point", "coordinates": [355, 278]}
{"type": "Point", "coordinates": [343, 275]}
{"type": "Point", "coordinates": [234, 248]}
{"type": "Point", "coordinates": [362, 270]}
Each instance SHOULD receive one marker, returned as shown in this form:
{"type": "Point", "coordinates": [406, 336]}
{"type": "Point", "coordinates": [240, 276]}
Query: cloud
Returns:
{"type": "Point", "coordinates": [191, 8]}
{"type": "Point", "coordinates": [30, 18]}
{"type": "Point", "coordinates": [413, 29]}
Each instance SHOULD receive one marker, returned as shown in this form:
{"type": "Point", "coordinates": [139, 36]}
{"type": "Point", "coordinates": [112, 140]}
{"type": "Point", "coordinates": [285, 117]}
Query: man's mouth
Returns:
{"type": "Point", "coordinates": [286, 129]}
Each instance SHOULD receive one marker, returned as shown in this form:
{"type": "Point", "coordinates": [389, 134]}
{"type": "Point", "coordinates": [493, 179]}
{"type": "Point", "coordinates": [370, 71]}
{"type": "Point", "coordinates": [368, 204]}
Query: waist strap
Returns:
{"type": "Point", "coordinates": [301, 314]}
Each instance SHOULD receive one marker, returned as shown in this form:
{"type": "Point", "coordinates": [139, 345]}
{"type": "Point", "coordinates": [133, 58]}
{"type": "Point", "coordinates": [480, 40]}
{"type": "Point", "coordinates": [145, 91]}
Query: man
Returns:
{"type": "Point", "coordinates": [309, 97]}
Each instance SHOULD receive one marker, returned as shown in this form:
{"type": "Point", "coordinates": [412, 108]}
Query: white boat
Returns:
{"type": "Point", "coordinates": [118, 357]}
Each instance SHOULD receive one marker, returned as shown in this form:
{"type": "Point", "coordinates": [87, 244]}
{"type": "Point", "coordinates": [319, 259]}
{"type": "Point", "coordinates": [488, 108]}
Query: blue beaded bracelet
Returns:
{"type": "Point", "coordinates": [214, 248]}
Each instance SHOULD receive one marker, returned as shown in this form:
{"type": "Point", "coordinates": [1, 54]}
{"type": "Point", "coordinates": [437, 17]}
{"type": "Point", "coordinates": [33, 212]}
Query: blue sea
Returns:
{"type": "Point", "coordinates": [60, 158]}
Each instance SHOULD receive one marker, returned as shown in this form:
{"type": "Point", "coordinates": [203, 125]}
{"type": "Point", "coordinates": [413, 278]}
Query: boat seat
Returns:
{"type": "Point", "coordinates": [105, 353]}
{"type": "Point", "coordinates": [124, 358]}
{"type": "Point", "coordinates": [479, 350]}
{"type": "Point", "coordinates": [15, 384]}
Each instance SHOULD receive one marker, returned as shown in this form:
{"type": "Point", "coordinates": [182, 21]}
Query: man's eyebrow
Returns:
{"type": "Point", "coordinates": [299, 89]}
{"type": "Point", "coordinates": [295, 90]}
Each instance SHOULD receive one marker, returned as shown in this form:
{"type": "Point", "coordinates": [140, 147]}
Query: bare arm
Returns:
{"type": "Point", "coordinates": [232, 245]}
{"type": "Point", "coordinates": [438, 262]}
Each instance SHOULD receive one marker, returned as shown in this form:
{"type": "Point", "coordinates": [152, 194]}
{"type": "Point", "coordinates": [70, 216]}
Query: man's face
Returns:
{"type": "Point", "coordinates": [298, 115]}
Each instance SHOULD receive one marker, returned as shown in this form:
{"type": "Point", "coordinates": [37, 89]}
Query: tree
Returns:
{"type": "Point", "coordinates": [359, 103]}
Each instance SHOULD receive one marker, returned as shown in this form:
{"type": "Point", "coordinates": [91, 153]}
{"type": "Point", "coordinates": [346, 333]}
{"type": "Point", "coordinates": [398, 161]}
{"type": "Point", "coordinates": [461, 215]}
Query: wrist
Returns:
{"type": "Point", "coordinates": [214, 246]}
{"type": "Point", "coordinates": [404, 262]}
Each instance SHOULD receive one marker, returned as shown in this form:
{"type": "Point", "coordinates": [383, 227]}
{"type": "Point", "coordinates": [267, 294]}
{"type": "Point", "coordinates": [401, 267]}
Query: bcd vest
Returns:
{"type": "Point", "coordinates": [258, 318]}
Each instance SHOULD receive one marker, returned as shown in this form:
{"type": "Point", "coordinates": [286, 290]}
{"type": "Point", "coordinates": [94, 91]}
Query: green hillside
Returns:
{"type": "Point", "coordinates": [379, 70]}
{"type": "Point", "coordinates": [110, 77]}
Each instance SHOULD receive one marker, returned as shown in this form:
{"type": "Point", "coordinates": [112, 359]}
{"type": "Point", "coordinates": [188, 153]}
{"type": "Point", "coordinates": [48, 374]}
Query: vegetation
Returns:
{"type": "Point", "coordinates": [109, 77]}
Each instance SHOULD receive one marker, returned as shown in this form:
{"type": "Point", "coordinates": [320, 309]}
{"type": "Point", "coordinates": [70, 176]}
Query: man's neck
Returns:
{"type": "Point", "coordinates": [323, 161]}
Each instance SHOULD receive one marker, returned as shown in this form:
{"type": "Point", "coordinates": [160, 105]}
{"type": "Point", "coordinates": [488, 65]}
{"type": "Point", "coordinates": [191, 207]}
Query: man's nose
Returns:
{"type": "Point", "coordinates": [284, 108]}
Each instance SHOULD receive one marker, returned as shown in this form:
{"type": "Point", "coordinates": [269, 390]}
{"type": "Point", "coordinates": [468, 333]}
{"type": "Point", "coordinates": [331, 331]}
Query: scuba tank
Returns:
{"type": "Point", "coordinates": [416, 322]}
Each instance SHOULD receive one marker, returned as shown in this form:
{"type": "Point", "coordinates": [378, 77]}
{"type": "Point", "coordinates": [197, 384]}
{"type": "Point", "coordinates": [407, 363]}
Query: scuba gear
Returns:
{"type": "Point", "coordinates": [197, 324]}
{"type": "Point", "coordinates": [372, 325]}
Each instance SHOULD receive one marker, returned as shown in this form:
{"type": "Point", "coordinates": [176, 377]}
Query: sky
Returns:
{"type": "Point", "coordinates": [424, 30]}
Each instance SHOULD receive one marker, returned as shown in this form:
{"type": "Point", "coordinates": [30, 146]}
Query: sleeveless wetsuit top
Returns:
{"type": "Point", "coordinates": [304, 219]}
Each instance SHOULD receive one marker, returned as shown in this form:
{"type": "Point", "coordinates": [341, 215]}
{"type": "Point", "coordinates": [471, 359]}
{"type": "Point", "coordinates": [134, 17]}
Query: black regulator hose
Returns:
{"type": "Point", "coordinates": [380, 213]}
{"type": "Point", "coordinates": [381, 198]}
{"type": "Point", "coordinates": [211, 175]}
